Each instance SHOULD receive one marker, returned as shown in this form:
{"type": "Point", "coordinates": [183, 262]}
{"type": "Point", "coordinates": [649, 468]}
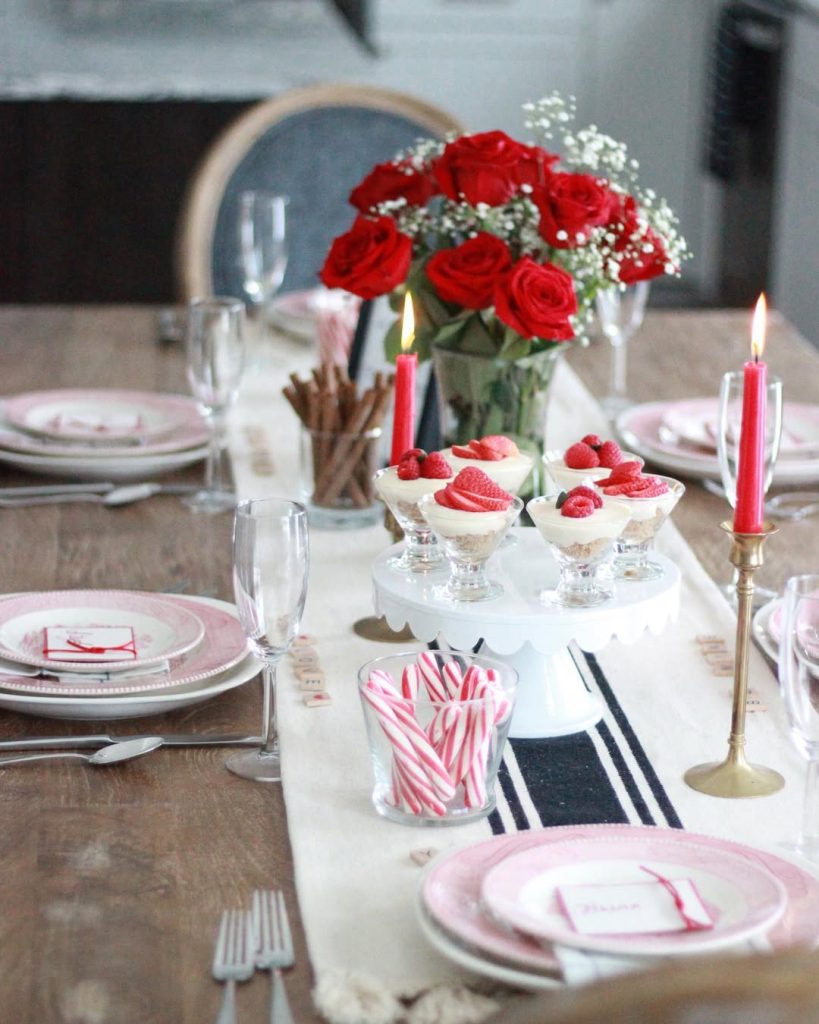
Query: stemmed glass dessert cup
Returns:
{"type": "Point", "coordinates": [422, 553]}
{"type": "Point", "coordinates": [633, 546]}
{"type": "Point", "coordinates": [263, 245]}
{"type": "Point", "coordinates": [469, 539]}
{"type": "Point", "coordinates": [620, 311]}
{"type": "Point", "coordinates": [581, 548]}
{"type": "Point", "coordinates": [270, 567]}
{"type": "Point", "coordinates": [729, 421]}
{"type": "Point", "coordinates": [799, 680]}
{"type": "Point", "coordinates": [215, 349]}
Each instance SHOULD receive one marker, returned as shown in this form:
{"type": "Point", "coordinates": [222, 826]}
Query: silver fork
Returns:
{"type": "Point", "coordinates": [233, 959]}
{"type": "Point", "coordinates": [274, 948]}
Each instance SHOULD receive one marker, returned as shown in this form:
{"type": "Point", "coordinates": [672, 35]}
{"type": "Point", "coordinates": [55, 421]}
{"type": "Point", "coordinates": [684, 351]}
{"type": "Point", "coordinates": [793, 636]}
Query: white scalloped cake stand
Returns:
{"type": "Point", "coordinates": [552, 698]}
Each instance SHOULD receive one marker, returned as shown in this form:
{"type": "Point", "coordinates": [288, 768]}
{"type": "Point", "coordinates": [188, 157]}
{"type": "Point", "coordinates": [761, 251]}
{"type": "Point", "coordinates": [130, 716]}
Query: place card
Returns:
{"type": "Point", "coordinates": [89, 643]}
{"type": "Point", "coordinates": [634, 908]}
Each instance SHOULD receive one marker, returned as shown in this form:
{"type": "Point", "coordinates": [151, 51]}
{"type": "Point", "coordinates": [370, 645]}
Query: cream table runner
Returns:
{"type": "Point", "coordinates": [355, 878]}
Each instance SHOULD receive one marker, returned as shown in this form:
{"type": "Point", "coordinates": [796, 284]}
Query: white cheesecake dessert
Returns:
{"type": "Point", "coordinates": [509, 471]}
{"type": "Point", "coordinates": [647, 513]}
{"type": "Point", "coordinates": [582, 539]}
{"type": "Point", "coordinates": [566, 478]}
{"type": "Point", "coordinates": [403, 496]}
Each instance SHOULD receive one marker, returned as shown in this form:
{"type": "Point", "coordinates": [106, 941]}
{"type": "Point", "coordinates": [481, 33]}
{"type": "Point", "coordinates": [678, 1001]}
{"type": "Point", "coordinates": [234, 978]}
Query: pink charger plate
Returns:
{"type": "Point", "coordinates": [224, 646]}
{"type": "Point", "coordinates": [450, 893]}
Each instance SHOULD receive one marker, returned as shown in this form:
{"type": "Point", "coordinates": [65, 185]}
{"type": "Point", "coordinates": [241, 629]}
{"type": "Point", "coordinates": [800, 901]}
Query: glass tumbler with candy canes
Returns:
{"type": "Point", "coordinates": [437, 723]}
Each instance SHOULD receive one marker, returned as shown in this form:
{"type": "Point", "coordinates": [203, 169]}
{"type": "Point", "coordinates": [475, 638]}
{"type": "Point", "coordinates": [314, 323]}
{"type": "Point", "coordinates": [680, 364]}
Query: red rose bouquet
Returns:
{"type": "Point", "coordinates": [503, 244]}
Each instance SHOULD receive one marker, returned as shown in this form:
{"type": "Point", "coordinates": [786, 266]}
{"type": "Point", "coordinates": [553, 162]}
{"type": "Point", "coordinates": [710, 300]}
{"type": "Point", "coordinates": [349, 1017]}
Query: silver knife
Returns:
{"type": "Point", "coordinates": [169, 740]}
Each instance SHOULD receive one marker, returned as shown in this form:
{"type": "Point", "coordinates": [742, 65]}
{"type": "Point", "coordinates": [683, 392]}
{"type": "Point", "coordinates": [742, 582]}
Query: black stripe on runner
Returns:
{"type": "Point", "coordinates": [496, 824]}
{"type": "Point", "coordinates": [512, 798]}
{"type": "Point", "coordinates": [640, 755]}
{"type": "Point", "coordinates": [567, 781]}
{"type": "Point", "coordinates": [622, 769]}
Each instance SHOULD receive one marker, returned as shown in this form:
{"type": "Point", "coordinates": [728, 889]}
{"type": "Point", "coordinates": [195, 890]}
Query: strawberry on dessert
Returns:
{"type": "Point", "coordinates": [498, 456]}
{"type": "Point", "coordinates": [590, 458]}
{"type": "Point", "coordinates": [416, 474]}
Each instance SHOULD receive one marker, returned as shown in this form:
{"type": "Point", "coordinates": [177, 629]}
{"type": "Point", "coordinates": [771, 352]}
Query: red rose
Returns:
{"type": "Point", "coordinates": [570, 206]}
{"type": "Point", "coordinates": [625, 221]}
{"type": "Point", "coordinates": [489, 168]}
{"type": "Point", "coordinates": [466, 274]}
{"type": "Point", "coordinates": [392, 181]}
{"type": "Point", "coordinates": [536, 300]}
{"type": "Point", "coordinates": [371, 259]}
{"type": "Point", "coordinates": [645, 258]}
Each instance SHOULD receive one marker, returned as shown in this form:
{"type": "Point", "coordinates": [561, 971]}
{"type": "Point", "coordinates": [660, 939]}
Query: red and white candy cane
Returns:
{"type": "Point", "coordinates": [411, 746]}
{"type": "Point", "coordinates": [453, 678]}
{"type": "Point", "coordinates": [502, 703]}
{"type": "Point", "coordinates": [382, 682]}
{"type": "Point", "coordinates": [410, 681]}
{"type": "Point", "coordinates": [472, 677]}
{"type": "Point", "coordinates": [483, 721]}
{"type": "Point", "coordinates": [428, 665]}
{"type": "Point", "coordinates": [480, 722]}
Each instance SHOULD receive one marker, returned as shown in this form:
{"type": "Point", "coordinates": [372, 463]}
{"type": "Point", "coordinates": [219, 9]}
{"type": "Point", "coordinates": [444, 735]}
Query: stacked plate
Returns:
{"type": "Point", "coordinates": [680, 437]}
{"type": "Point", "coordinates": [101, 434]}
{"type": "Point", "coordinates": [495, 908]}
{"type": "Point", "coordinates": [183, 651]}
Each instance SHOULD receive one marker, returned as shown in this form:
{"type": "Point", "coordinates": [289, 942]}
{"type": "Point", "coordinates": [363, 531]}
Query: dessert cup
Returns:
{"type": "Point", "coordinates": [632, 547]}
{"type": "Point", "coordinates": [508, 473]}
{"type": "Point", "coordinates": [580, 547]}
{"type": "Point", "coordinates": [565, 478]}
{"type": "Point", "coordinates": [421, 550]}
{"type": "Point", "coordinates": [468, 540]}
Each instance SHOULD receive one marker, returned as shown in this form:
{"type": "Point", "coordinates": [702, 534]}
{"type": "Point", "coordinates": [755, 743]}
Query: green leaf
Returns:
{"type": "Point", "coordinates": [392, 341]}
{"type": "Point", "coordinates": [514, 346]}
{"type": "Point", "coordinates": [476, 338]}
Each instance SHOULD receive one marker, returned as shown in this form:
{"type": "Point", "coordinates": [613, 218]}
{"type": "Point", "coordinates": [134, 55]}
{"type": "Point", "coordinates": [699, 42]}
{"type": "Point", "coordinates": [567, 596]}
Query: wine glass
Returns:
{"type": "Point", "coordinates": [262, 244]}
{"type": "Point", "coordinates": [799, 679]}
{"type": "Point", "coordinates": [270, 565]}
{"type": "Point", "coordinates": [620, 311]}
{"type": "Point", "coordinates": [729, 422]}
{"type": "Point", "coordinates": [215, 346]}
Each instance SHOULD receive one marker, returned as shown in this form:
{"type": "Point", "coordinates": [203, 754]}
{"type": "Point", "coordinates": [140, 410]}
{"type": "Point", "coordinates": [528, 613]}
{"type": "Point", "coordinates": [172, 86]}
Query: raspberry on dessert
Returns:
{"type": "Point", "coordinates": [435, 467]}
{"type": "Point", "coordinates": [581, 456]}
{"type": "Point", "coordinates": [413, 453]}
{"type": "Point", "coordinates": [408, 469]}
{"type": "Point", "coordinates": [586, 492]}
{"type": "Point", "coordinates": [577, 506]}
{"type": "Point", "coordinates": [463, 452]}
{"type": "Point", "coordinates": [592, 440]}
{"type": "Point", "coordinates": [609, 454]}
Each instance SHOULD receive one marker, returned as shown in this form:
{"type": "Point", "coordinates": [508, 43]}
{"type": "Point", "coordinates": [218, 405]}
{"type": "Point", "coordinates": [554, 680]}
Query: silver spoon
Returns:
{"type": "Point", "coordinates": [112, 754]}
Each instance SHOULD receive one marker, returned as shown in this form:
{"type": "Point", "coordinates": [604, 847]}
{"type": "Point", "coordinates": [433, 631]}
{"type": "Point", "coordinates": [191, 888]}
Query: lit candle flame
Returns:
{"type": "Point", "coordinates": [758, 327]}
{"type": "Point", "coordinates": [407, 324]}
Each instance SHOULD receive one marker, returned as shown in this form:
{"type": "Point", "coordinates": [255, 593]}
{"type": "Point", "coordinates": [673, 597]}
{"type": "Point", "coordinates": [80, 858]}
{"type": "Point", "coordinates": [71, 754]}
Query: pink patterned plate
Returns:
{"type": "Point", "coordinates": [742, 898]}
{"type": "Point", "coordinates": [72, 422]}
{"type": "Point", "coordinates": [449, 894]}
{"type": "Point", "coordinates": [694, 420]}
{"type": "Point", "coordinates": [162, 628]}
{"type": "Point", "coordinates": [224, 647]}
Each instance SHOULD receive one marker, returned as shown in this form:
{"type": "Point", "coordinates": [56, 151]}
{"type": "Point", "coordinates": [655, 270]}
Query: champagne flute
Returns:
{"type": "Point", "coordinates": [270, 565]}
{"type": "Point", "coordinates": [620, 311]}
{"type": "Point", "coordinates": [263, 245]}
{"type": "Point", "coordinates": [729, 423]}
{"type": "Point", "coordinates": [799, 679]}
{"type": "Point", "coordinates": [215, 345]}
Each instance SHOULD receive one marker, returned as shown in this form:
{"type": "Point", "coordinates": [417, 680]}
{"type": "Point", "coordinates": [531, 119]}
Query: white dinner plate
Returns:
{"type": "Point", "coordinates": [100, 414]}
{"type": "Point", "coordinates": [742, 897]}
{"type": "Point", "coordinates": [642, 429]}
{"type": "Point", "coordinates": [448, 902]}
{"type": "Point", "coordinates": [107, 467]}
{"type": "Point", "coordinates": [163, 629]}
{"type": "Point", "coordinates": [200, 686]}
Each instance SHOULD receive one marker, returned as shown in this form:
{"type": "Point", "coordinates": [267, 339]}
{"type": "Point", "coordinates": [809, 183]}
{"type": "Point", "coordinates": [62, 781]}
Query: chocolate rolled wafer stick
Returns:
{"type": "Point", "coordinates": [329, 472]}
{"type": "Point", "coordinates": [356, 451]}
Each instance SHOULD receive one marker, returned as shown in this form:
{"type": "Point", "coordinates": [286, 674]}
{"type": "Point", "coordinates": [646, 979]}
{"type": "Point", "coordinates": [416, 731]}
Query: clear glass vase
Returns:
{"type": "Point", "coordinates": [480, 395]}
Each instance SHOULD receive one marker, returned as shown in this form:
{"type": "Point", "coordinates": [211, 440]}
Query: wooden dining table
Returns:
{"type": "Point", "coordinates": [114, 879]}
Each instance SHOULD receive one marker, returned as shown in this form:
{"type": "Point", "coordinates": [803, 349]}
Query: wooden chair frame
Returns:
{"type": "Point", "coordinates": [204, 194]}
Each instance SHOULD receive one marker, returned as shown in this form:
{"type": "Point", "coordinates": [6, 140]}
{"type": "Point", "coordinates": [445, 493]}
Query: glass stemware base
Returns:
{"type": "Point", "coordinates": [580, 586]}
{"type": "Point", "coordinates": [210, 501]}
{"type": "Point", "coordinates": [421, 554]}
{"type": "Point", "coordinates": [256, 765]}
{"type": "Point", "coordinates": [468, 582]}
{"type": "Point", "coordinates": [633, 563]}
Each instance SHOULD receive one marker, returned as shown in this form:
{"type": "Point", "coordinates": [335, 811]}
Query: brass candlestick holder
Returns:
{"type": "Point", "coordinates": [374, 627]}
{"type": "Point", "coordinates": [735, 776]}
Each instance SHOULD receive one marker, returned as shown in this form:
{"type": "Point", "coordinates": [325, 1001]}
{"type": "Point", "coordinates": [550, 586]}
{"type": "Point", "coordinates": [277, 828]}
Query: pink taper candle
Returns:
{"type": "Point", "coordinates": [748, 515]}
{"type": "Point", "coordinates": [403, 420]}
